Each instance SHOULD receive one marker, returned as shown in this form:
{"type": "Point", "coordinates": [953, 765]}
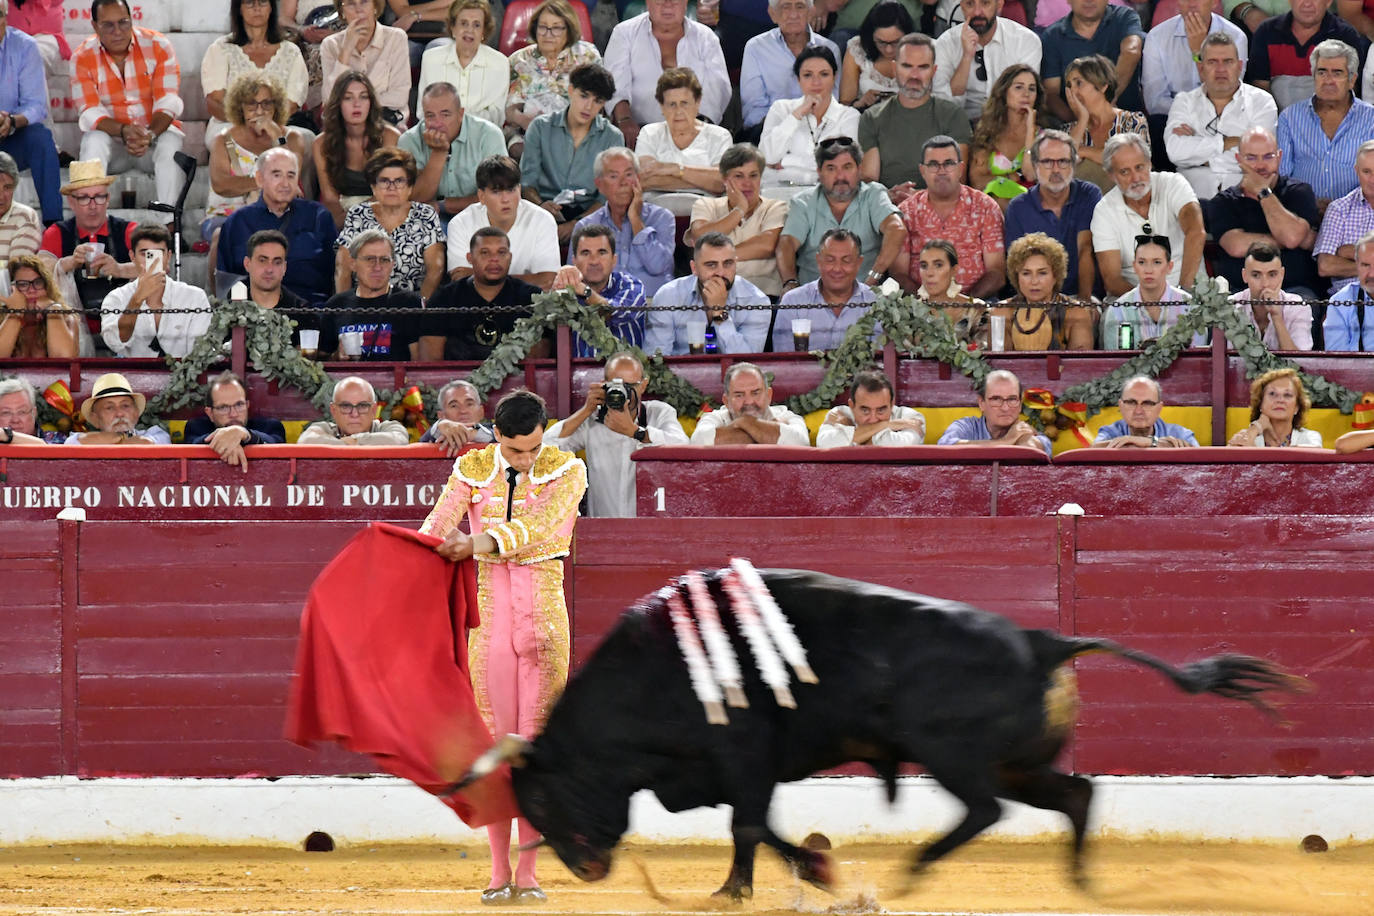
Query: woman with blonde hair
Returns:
{"type": "Point", "coordinates": [539, 71]}
{"type": "Point", "coordinates": [479, 72]}
{"type": "Point", "coordinates": [25, 331]}
{"type": "Point", "coordinates": [1039, 316]}
{"type": "Point", "coordinates": [1278, 405]}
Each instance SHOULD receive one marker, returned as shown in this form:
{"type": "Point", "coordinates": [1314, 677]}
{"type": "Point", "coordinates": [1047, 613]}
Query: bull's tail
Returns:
{"type": "Point", "coordinates": [1236, 677]}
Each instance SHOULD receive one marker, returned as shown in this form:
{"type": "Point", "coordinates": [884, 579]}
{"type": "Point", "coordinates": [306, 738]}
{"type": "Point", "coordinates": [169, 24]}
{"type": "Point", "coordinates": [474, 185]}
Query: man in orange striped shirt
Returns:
{"type": "Point", "coordinates": [126, 84]}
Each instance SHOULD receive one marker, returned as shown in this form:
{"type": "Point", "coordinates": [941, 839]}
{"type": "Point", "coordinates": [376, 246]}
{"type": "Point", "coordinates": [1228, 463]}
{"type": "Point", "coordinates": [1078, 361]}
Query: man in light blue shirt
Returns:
{"type": "Point", "coordinates": [1000, 423]}
{"type": "Point", "coordinates": [1141, 402]}
{"type": "Point", "coordinates": [448, 145]}
{"type": "Point", "coordinates": [1326, 163]}
{"type": "Point", "coordinates": [713, 291]}
{"type": "Point", "coordinates": [766, 74]}
{"type": "Point", "coordinates": [838, 287]}
{"type": "Point", "coordinates": [645, 234]}
{"type": "Point", "coordinates": [24, 133]}
{"type": "Point", "coordinates": [1347, 220]}
{"type": "Point", "coordinates": [1350, 326]}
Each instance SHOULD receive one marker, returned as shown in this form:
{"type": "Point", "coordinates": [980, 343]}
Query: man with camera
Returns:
{"type": "Point", "coordinates": [153, 315]}
{"type": "Point", "coordinates": [612, 423]}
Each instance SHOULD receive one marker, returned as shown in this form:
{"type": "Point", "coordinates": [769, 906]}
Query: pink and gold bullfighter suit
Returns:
{"type": "Point", "coordinates": [518, 655]}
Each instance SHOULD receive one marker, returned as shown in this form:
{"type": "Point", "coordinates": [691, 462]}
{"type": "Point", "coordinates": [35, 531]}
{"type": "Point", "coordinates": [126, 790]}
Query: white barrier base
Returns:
{"type": "Point", "coordinates": [378, 809]}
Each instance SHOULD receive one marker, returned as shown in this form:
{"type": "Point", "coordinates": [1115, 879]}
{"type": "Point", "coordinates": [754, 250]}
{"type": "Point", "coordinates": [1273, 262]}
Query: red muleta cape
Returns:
{"type": "Point", "coordinates": [382, 667]}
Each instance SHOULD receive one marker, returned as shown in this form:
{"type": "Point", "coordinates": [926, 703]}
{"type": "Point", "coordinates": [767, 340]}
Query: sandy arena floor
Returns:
{"type": "Point", "coordinates": [985, 877]}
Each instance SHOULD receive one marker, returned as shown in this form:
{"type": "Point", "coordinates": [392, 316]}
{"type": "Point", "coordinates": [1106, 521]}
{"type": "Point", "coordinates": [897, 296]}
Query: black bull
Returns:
{"type": "Point", "coordinates": [981, 703]}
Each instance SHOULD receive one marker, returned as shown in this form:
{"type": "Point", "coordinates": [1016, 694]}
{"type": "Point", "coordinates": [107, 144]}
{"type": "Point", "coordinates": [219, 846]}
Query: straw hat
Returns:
{"type": "Point", "coordinates": [111, 385]}
{"type": "Point", "coordinates": [86, 174]}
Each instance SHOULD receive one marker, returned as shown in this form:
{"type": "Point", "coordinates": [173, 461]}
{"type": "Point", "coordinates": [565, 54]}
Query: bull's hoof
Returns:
{"type": "Point", "coordinates": [734, 893]}
{"type": "Point", "coordinates": [816, 868]}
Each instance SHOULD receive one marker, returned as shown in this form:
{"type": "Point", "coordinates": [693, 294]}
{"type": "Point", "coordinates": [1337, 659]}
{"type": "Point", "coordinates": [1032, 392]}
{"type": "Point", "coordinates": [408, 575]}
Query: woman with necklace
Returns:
{"type": "Point", "coordinates": [1040, 317]}
{"type": "Point", "coordinates": [1090, 87]}
{"type": "Point", "coordinates": [793, 128]}
{"type": "Point", "coordinates": [540, 70]}
{"type": "Point", "coordinates": [968, 316]}
{"type": "Point", "coordinates": [1278, 405]}
{"type": "Point", "coordinates": [1146, 323]}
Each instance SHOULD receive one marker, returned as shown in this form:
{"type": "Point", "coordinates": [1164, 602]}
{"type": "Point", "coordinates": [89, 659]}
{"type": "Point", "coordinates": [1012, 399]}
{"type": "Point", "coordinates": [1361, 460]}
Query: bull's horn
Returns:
{"type": "Point", "coordinates": [533, 844]}
{"type": "Point", "coordinates": [508, 749]}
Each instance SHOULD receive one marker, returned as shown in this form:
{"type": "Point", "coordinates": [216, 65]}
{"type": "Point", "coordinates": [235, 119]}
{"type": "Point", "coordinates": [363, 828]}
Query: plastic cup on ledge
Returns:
{"type": "Point", "coordinates": [801, 334]}
{"type": "Point", "coordinates": [696, 337]}
{"type": "Point", "coordinates": [998, 333]}
{"type": "Point", "coordinates": [351, 343]}
{"type": "Point", "coordinates": [310, 343]}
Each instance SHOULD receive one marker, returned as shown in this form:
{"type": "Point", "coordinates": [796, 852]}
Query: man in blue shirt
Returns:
{"type": "Point", "coordinates": [1141, 402]}
{"type": "Point", "coordinates": [712, 290]}
{"type": "Point", "coordinates": [307, 225]}
{"type": "Point", "coordinates": [1060, 206]}
{"type": "Point", "coordinates": [1349, 323]}
{"type": "Point", "coordinates": [766, 74]}
{"type": "Point", "coordinates": [23, 113]}
{"type": "Point", "coordinates": [1093, 27]}
{"type": "Point", "coordinates": [1000, 423]}
{"type": "Point", "coordinates": [645, 234]}
{"type": "Point", "coordinates": [593, 279]}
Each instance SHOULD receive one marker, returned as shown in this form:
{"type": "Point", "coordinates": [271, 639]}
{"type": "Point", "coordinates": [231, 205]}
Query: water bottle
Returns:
{"type": "Point", "coordinates": [1125, 337]}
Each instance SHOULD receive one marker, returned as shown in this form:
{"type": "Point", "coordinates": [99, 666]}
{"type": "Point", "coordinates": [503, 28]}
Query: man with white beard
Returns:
{"type": "Point", "coordinates": [1144, 203]}
{"type": "Point", "coordinates": [111, 414]}
{"type": "Point", "coordinates": [1060, 206]}
{"type": "Point", "coordinates": [749, 415]}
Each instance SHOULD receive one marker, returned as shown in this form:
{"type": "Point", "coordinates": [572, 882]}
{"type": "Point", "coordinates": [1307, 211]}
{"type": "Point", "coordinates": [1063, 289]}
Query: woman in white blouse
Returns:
{"type": "Point", "coordinates": [481, 73]}
{"type": "Point", "coordinates": [254, 46]}
{"type": "Point", "coordinates": [679, 157]}
{"type": "Point", "coordinates": [794, 128]}
{"type": "Point", "coordinates": [1278, 405]}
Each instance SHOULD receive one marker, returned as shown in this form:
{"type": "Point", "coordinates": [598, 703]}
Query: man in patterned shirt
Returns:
{"type": "Point", "coordinates": [594, 280]}
{"type": "Point", "coordinates": [20, 231]}
{"type": "Point", "coordinates": [126, 85]}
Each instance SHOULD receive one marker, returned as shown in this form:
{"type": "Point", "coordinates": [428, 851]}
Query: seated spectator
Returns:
{"type": "Point", "coordinates": [850, 17]}
{"type": "Point", "coordinates": [842, 200]}
{"type": "Point", "coordinates": [679, 156]}
{"type": "Point", "coordinates": [748, 415]}
{"type": "Point", "coordinates": [141, 113]}
{"type": "Point", "coordinates": [1092, 27]}
{"type": "Point", "coordinates": [449, 145]}
{"type": "Point", "coordinates": [1142, 401]}
{"type": "Point", "coordinates": [946, 209]}
{"type": "Point", "coordinates": [377, 50]}
{"type": "Point", "coordinates": [480, 72]}
{"type": "Point", "coordinates": [1011, 118]}
{"type": "Point", "coordinates": [766, 73]}
{"type": "Point", "coordinates": [837, 258]}
{"type": "Point", "coordinates": [750, 220]}
{"type": "Point", "coordinates": [425, 24]}
{"type": "Point", "coordinates": [893, 132]}
{"type": "Point", "coordinates": [636, 58]}
{"type": "Point", "coordinates": [969, 59]}
{"type": "Point", "coordinates": [24, 133]}
{"type": "Point", "coordinates": [968, 319]}
{"type": "Point", "coordinates": [1205, 124]}
{"type": "Point", "coordinates": [532, 232]}
{"type": "Point", "coordinates": [314, 21]}
{"type": "Point", "coordinates": [42, 20]}
{"type": "Point", "coordinates": [89, 251]}
{"type": "Point", "coordinates": [561, 149]}
{"type": "Point", "coordinates": [1090, 86]}
{"type": "Point", "coordinates": [353, 408]}
{"type": "Point", "coordinates": [714, 288]}
{"type": "Point", "coordinates": [1282, 46]}
{"type": "Point", "coordinates": [487, 283]}
{"type": "Point", "coordinates": [870, 57]}
{"type": "Point", "coordinates": [999, 421]}
{"type": "Point", "coordinates": [1321, 136]}
{"type": "Point", "coordinates": [1172, 48]}
{"type": "Point", "coordinates": [226, 426]}
{"type": "Point", "coordinates": [610, 435]}
{"type": "Point", "coordinates": [383, 319]}
{"type": "Point", "coordinates": [593, 279]}
{"type": "Point", "coordinates": [1346, 327]}
{"type": "Point", "coordinates": [307, 225]}
{"type": "Point", "coordinates": [644, 233]}
{"type": "Point", "coordinates": [540, 70]}
{"type": "Point", "coordinates": [1153, 264]}
{"type": "Point", "coordinates": [871, 417]}
{"type": "Point", "coordinates": [1278, 405]}
{"type": "Point", "coordinates": [1348, 219]}
{"type": "Point", "coordinates": [19, 415]}
{"type": "Point", "coordinates": [1038, 317]}
{"type": "Point", "coordinates": [1353, 12]}
{"type": "Point", "coordinates": [255, 107]}
{"type": "Point", "coordinates": [353, 131]}
{"type": "Point", "coordinates": [795, 126]}
{"type": "Point", "coordinates": [1060, 206]}
{"type": "Point", "coordinates": [1264, 206]}
{"type": "Point", "coordinates": [132, 318]}
{"type": "Point", "coordinates": [417, 239]}
{"type": "Point", "coordinates": [265, 261]}
{"type": "Point", "coordinates": [461, 420]}
{"type": "Point", "coordinates": [20, 230]}
{"type": "Point", "coordinates": [1144, 203]}
{"type": "Point", "coordinates": [1283, 320]}
{"type": "Point", "coordinates": [35, 320]}
{"type": "Point", "coordinates": [111, 414]}
{"type": "Point", "coordinates": [255, 46]}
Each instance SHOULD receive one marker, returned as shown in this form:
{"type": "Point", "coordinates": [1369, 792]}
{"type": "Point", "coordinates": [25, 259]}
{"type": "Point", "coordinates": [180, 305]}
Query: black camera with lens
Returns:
{"type": "Point", "coordinates": [619, 395]}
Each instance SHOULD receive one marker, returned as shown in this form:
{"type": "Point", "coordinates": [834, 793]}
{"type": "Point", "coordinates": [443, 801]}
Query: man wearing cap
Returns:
{"type": "Point", "coordinates": [92, 248]}
{"type": "Point", "coordinates": [23, 113]}
{"type": "Point", "coordinates": [126, 86]}
{"type": "Point", "coordinates": [112, 412]}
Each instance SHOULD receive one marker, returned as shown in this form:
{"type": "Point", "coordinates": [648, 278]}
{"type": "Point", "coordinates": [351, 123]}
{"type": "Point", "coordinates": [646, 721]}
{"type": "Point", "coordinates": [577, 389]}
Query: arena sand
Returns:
{"type": "Point", "coordinates": [1164, 877]}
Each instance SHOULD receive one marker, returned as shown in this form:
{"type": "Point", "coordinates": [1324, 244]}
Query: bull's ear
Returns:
{"type": "Point", "coordinates": [512, 749]}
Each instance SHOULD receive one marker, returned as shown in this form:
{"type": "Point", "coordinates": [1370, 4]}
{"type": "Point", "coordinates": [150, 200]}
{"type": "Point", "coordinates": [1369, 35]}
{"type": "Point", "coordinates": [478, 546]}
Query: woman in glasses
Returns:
{"type": "Point", "coordinates": [25, 330]}
{"type": "Point", "coordinates": [1278, 405]}
{"type": "Point", "coordinates": [1090, 86]}
{"type": "Point", "coordinates": [794, 128]}
{"type": "Point", "coordinates": [999, 158]}
{"type": "Point", "coordinates": [1130, 323]}
{"type": "Point", "coordinates": [870, 57]}
{"type": "Point", "coordinates": [480, 72]}
{"type": "Point", "coordinates": [540, 70]}
{"type": "Point", "coordinates": [417, 239]}
{"type": "Point", "coordinates": [679, 157]}
{"type": "Point", "coordinates": [1039, 316]}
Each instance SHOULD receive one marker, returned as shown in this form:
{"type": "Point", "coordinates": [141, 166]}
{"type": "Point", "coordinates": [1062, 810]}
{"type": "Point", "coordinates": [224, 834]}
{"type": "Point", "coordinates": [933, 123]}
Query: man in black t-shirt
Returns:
{"type": "Point", "coordinates": [365, 326]}
{"type": "Point", "coordinates": [471, 335]}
